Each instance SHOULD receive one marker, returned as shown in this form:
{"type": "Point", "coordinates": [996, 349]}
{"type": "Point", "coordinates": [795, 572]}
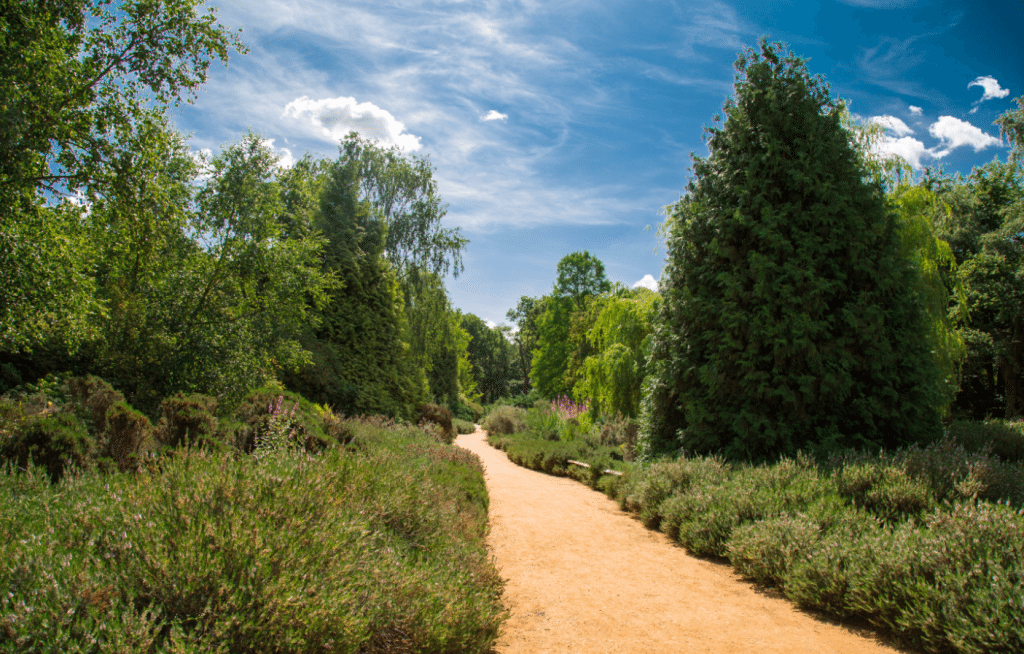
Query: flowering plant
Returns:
{"type": "Point", "coordinates": [567, 409]}
{"type": "Point", "coordinates": [279, 429]}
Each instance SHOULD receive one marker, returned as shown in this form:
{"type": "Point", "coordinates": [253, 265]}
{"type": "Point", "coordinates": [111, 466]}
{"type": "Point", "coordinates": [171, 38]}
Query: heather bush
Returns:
{"type": "Point", "coordinates": [504, 419]}
{"type": "Point", "coordinates": [191, 419]}
{"type": "Point", "coordinates": [463, 426]}
{"type": "Point", "coordinates": [376, 549]}
{"type": "Point", "coordinates": [439, 416]}
{"type": "Point", "coordinates": [54, 443]}
{"type": "Point", "coordinates": [1001, 438]}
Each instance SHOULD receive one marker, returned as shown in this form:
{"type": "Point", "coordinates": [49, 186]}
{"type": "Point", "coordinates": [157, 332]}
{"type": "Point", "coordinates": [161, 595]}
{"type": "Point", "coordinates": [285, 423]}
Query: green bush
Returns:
{"type": "Point", "coordinates": [311, 427]}
{"type": "Point", "coordinates": [504, 419]}
{"type": "Point", "coordinates": [53, 442]}
{"type": "Point", "coordinates": [887, 491]}
{"type": "Point", "coordinates": [1002, 438]}
{"type": "Point", "coordinates": [439, 416]}
{"type": "Point", "coordinates": [93, 398]}
{"type": "Point", "coordinates": [129, 435]}
{"type": "Point", "coordinates": [463, 426]}
{"type": "Point", "coordinates": [189, 418]}
{"type": "Point", "coordinates": [377, 549]}
{"type": "Point", "coordinates": [765, 550]}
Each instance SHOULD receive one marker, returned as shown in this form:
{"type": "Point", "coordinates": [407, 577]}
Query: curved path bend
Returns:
{"type": "Point", "coordinates": [585, 577]}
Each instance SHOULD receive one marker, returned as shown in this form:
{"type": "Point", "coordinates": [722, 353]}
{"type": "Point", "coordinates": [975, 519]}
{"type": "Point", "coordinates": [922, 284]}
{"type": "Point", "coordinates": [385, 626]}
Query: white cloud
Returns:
{"type": "Point", "coordinates": [285, 159]}
{"type": "Point", "coordinates": [647, 281]}
{"type": "Point", "coordinates": [991, 86]}
{"type": "Point", "coordinates": [916, 111]}
{"type": "Point", "coordinates": [954, 133]}
{"type": "Point", "coordinates": [491, 324]}
{"type": "Point", "coordinates": [909, 148]}
{"type": "Point", "coordinates": [494, 115]}
{"type": "Point", "coordinates": [892, 124]}
{"type": "Point", "coordinates": [334, 118]}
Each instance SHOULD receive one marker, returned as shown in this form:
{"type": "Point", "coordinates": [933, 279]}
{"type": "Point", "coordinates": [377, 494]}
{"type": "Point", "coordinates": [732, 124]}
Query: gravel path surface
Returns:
{"type": "Point", "coordinates": [585, 577]}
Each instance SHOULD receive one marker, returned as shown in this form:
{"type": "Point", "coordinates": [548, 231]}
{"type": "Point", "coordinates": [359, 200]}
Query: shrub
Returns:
{"type": "Point", "coordinates": [621, 431]}
{"type": "Point", "coordinates": [129, 434]}
{"type": "Point", "coordinates": [381, 550]}
{"type": "Point", "coordinates": [463, 426]}
{"type": "Point", "coordinates": [309, 426]}
{"type": "Point", "coordinates": [440, 416]}
{"type": "Point", "coordinates": [53, 442]}
{"type": "Point", "coordinates": [505, 419]}
{"type": "Point", "coordinates": [885, 490]}
{"type": "Point", "coordinates": [1001, 438]}
{"type": "Point", "coordinates": [765, 550]}
{"type": "Point", "coordinates": [92, 398]}
{"type": "Point", "coordinates": [189, 418]}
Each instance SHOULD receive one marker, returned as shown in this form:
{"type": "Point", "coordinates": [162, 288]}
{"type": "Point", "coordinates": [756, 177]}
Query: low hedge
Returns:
{"type": "Point", "coordinates": [926, 542]}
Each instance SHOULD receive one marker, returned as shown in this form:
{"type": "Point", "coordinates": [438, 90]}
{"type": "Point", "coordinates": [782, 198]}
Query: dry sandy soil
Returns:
{"type": "Point", "coordinates": [584, 577]}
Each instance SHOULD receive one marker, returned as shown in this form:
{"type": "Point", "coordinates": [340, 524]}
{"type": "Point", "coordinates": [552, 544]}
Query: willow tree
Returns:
{"type": "Point", "coordinates": [790, 319]}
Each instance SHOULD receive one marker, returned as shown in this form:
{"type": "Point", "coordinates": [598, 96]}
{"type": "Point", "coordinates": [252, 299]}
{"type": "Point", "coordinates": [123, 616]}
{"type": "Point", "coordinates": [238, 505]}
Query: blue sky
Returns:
{"type": "Point", "coordinates": [564, 125]}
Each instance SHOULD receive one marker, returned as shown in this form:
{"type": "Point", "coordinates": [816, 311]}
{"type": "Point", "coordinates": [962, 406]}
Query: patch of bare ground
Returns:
{"type": "Point", "coordinates": [584, 577]}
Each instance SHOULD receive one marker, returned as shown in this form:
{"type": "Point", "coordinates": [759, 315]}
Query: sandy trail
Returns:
{"type": "Point", "coordinates": [585, 577]}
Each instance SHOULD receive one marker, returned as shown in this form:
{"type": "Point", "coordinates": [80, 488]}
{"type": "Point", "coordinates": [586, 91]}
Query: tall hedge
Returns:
{"type": "Point", "coordinates": [789, 319]}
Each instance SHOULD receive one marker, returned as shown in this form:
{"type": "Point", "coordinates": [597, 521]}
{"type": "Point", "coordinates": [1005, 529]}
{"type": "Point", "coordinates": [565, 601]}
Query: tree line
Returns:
{"type": "Point", "coordinates": [816, 295]}
{"type": "Point", "coordinates": [127, 255]}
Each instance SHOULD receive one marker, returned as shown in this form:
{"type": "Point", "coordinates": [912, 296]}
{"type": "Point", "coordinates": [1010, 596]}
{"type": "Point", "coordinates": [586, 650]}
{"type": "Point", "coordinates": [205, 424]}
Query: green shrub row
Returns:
{"type": "Point", "coordinates": [373, 547]}
{"type": "Point", "coordinates": [927, 542]}
{"type": "Point", "coordinates": [881, 538]}
{"type": "Point", "coordinates": [84, 422]}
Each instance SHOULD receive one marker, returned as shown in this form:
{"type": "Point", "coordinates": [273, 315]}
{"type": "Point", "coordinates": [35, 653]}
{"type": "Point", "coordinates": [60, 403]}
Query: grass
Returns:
{"type": "Point", "coordinates": [376, 547]}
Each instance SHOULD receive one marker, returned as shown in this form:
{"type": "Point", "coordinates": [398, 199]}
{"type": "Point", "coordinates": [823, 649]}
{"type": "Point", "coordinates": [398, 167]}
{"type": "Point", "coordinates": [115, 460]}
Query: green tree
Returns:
{"type": "Point", "coordinates": [525, 316]}
{"type": "Point", "coordinates": [361, 362]}
{"type": "Point", "coordinates": [789, 320]}
{"type": "Point", "coordinates": [554, 348]}
{"type": "Point", "coordinates": [581, 276]}
{"type": "Point", "coordinates": [79, 79]}
{"type": "Point", "coordinates": [613, 376]}
{"type": "Point", "coordinates": [491, 356]}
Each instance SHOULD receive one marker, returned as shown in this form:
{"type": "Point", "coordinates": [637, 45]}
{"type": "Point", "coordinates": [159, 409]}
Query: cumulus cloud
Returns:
{"type": "Point", "coordinates": [285, 159]}
{"type": "Point", "coordinates": [909, 148]}
{"type": "Point", "coordinates": [916, 111]}
{"type": "Point", "coordinates": [991, 86]}
{"type": "Point", "coordinates": [491, 324]}
{"type": "Point", "coordinates": [951, 132]}
{"type": "Point", "coordinates": [954, 133]}
{"type": "Point", "coordinates": [647, 281]}
{"type": "Point", "coordinates": [334, 118]}
{"type": "Point", "coordinates": [494, 115]}
{"type": "Point", "coordinates": [892, 124]}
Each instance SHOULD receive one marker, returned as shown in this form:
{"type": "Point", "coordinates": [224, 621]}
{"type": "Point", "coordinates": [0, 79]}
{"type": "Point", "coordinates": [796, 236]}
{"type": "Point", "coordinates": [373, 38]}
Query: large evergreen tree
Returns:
{"type": "Point", "coordinates": [360, 362]}
{"type": "Point", "coordinates": [789, 318]}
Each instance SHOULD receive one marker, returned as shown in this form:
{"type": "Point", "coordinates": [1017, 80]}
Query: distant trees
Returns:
{"type": "Point", "coordinates": [789, 319]}
{"type": "Point", "coordinates": [492, 358]}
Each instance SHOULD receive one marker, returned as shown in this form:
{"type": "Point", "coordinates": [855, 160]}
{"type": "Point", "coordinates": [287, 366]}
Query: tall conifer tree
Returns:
{"type": "Point", "coordinates": [789, 318]}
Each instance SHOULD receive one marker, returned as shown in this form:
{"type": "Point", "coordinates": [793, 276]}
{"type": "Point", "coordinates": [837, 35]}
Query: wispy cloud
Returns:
{"type": "Point", "coordinates": [916, 111]}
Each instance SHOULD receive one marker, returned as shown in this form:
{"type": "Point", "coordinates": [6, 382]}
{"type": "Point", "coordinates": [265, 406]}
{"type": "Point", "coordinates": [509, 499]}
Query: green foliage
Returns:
{"type": "Point", "coordinates": [361, 363]}
{"type": "Point", "coordinates": [80, 81]}
{"type": "Point", "coordinates": [463, 426]}
{"type": "Point", "coordinates": [349, 552]}
{"type": "Point", "coordinates": [189, 419]}
{"type": "Point", "coordinates": [580, 276]}
{"type": "Point", "coordinates": [505, 419]}
{"type": "Point", "coordinates": [554, 348]}
{"type": "Point", "coordinates": [613, 376]}
{"type": "Point", "coordinates": [525, 316]}
{"type": "Point", "coordinates": [1006, 439]}
{"type": "Point", "coordinates": [491, 356]}
{"type": "Point", "coordinates": [788, 318]}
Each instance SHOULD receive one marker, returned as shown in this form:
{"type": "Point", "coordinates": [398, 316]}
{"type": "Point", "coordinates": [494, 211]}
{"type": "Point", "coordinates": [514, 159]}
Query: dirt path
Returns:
{"type": "Point", "coordinates": [585, 577]}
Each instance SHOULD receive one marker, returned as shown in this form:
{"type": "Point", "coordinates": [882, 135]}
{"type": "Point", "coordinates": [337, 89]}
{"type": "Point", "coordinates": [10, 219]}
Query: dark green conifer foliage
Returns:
{"type": "Point", "coordinates": [360, 362]}
{"type": "Point", "coordinates": [789, 321]}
